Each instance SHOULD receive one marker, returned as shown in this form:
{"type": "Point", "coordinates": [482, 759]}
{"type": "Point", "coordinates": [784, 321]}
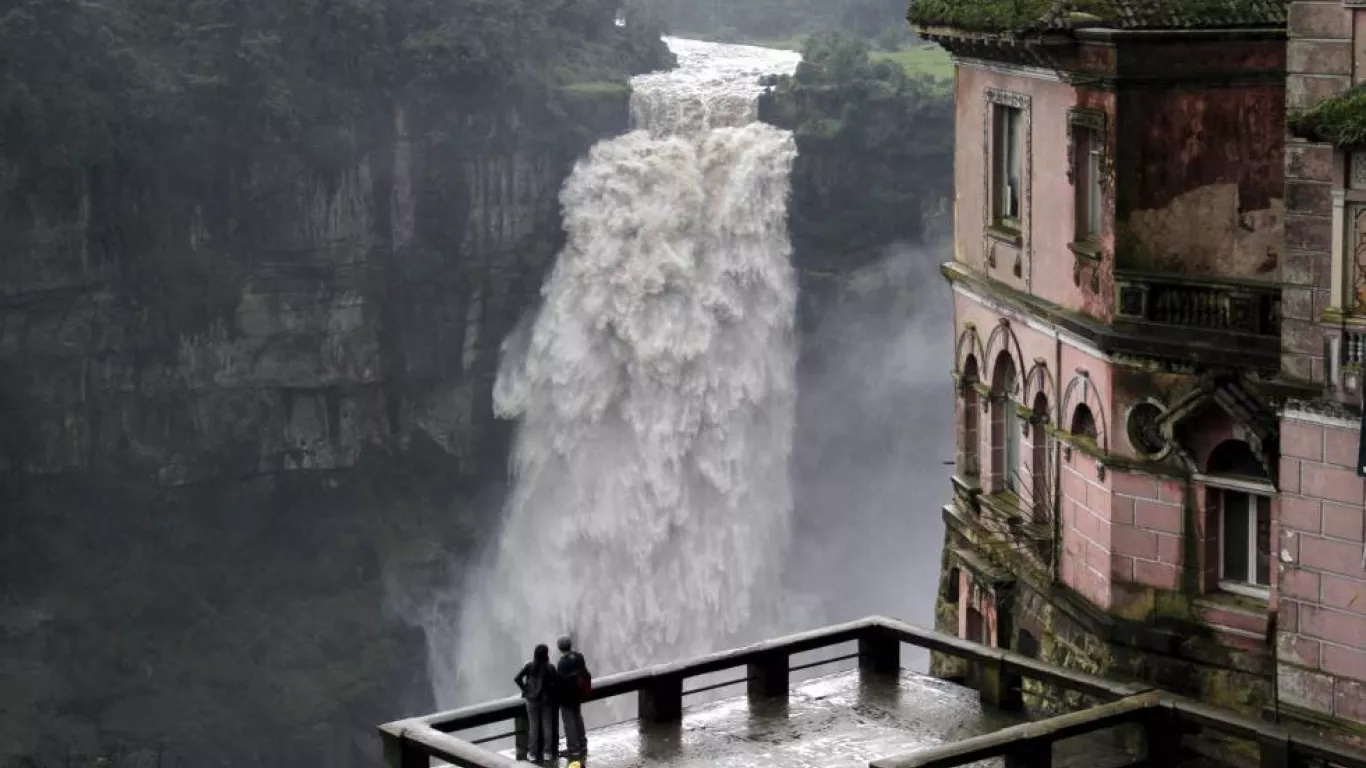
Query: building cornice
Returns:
{"type": "Point", "coordinates": [1008, 68]}
{"type": "Point", "coordinates": [1324, 414]}
{"type": "Point", "coordinates": [1112, 35]}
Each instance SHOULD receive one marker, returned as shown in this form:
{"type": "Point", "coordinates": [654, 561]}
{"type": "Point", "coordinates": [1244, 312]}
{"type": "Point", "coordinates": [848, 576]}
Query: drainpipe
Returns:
{"type": "Point", "coordinates": [1272, 630]}
{"type": "Point", "coordinates": [1056, 501]}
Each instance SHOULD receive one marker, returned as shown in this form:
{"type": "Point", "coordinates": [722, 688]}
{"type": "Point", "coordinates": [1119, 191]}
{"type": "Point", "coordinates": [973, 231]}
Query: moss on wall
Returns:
{"type": "Point", "coordinates": [1073, 634]}
{"type": "Point", "coordinates": [1340, 120]}
{"type": "Point", "coordinates": [1025, 16]}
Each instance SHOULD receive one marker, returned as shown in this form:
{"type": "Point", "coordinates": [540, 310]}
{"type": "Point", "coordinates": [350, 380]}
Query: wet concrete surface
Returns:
{"type": "Point", "coordinates": [838, 721]}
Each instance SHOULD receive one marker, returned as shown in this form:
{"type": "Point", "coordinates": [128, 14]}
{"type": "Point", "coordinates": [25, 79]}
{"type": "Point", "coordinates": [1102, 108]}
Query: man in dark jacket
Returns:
{"type": "Point", "coordinates": [573, 671]}
{"type": "Point", "coordinates": [538, 682]}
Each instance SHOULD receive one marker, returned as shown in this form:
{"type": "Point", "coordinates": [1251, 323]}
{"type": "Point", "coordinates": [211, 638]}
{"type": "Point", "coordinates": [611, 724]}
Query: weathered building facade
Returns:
{"type": "Point", "coordinates": [1155, 474]}
{"type": "Point", "coordinates": [1322, 588]}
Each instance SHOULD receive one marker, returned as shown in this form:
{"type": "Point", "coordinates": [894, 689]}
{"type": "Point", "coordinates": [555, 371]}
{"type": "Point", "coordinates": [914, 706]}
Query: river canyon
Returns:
{"type": "Point", "coordinates": [253, 475]}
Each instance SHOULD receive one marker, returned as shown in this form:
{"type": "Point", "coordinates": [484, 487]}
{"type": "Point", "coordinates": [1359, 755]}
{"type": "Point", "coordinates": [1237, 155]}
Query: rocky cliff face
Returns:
{"type": "Point", "coordinates": [285, 325]}
{"type": "Point", "coordinates": [237, 411]}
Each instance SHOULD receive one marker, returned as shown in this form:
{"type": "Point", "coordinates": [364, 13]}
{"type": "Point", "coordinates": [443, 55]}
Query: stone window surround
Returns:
{"type": "Point", "coordinates": [1214, 515]}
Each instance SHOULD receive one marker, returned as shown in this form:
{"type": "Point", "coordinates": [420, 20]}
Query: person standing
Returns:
{"type": "Point", "coordinates": [577, 685]}
{"type": "Point", "coordinates": [537, 681]}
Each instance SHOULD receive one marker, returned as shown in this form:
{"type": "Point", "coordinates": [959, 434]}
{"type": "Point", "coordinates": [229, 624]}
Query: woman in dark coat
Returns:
{"type": "Point", "coordinates": [537, 682]}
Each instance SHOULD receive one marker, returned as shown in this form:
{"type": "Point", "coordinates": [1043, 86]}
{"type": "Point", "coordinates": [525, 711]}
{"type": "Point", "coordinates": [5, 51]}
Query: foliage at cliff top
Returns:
{"type": "Point", "coordinates": [1012, 17]}
{"type": "Point", "coordinates": [1340, 119]}
{"type": "Point", "coordinates": [833, 61]}
{"type": "Point", "coordinates": [85, 83]}
{"type": "Point", "coordinates": [876, 149]}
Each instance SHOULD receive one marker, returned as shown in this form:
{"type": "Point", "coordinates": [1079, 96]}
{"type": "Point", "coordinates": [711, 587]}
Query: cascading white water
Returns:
{"type": "Point", "coordinates": [655, 391]}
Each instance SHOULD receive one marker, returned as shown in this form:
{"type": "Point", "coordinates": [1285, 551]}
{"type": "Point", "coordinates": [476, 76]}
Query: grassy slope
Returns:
{"type": "Point", "coordinates": [920, 60]}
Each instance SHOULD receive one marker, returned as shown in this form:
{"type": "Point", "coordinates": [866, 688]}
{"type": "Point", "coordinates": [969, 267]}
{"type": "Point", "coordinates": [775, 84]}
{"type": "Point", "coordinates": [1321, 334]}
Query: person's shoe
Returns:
{"type": "Point", "coordinates": [533, 758]}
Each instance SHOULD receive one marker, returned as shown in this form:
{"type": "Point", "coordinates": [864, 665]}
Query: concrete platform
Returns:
{"type": "Point", "coordinates": [830, 722]}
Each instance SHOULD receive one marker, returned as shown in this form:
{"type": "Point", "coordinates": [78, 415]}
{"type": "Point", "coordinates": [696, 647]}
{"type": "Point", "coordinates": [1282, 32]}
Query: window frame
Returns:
{"type": "Point", "coordinates": [1011, 453]}
{"type": "Point", "coordinates": [1087, 169]}
{"type": "Point", "coordinates": [970, 428]}
{"type": "Point", "coordinates": [1254, 500]}
{"type": "Point", "coordinates": [1007, 228]}
{"type": "Point", "coordinates": [1089, 197]}
{"type": "Point", "coordinates": [1007, 160]}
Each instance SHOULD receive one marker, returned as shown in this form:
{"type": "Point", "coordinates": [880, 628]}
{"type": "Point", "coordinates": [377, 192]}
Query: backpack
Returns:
{"type": "Point", "coordinates": [583, 677]}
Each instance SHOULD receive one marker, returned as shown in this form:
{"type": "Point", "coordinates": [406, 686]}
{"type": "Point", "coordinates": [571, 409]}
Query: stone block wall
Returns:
{"type": "Point", "coordinates": [1319, 64]}
{"type": "Point", "coordinates": [1087, 542]}
{"type": "Point", "coordinates": [1147, 519]}
{"type": "Point", "coordinates": [1321, 639]}
{"type": "Point", "coordinates": [1124, 530]}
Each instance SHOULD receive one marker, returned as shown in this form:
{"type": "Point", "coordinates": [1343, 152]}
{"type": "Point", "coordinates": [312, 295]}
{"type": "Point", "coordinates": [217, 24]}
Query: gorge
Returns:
{"type": "Point", "coordinates": [249, 402]}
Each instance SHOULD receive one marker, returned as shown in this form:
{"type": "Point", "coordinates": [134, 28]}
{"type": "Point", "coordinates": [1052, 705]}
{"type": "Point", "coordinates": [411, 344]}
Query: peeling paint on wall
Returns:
{"type": "Point", "coordinates": [1205, 231]}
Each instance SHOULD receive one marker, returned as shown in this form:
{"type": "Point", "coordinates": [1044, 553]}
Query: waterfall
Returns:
{"type": "Point", "coordinates": [654, 392]}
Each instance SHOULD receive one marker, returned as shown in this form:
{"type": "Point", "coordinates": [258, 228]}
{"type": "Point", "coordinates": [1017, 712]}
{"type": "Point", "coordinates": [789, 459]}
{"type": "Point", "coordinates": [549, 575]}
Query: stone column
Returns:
{"type": "Point", "coordinates": [661, 700]}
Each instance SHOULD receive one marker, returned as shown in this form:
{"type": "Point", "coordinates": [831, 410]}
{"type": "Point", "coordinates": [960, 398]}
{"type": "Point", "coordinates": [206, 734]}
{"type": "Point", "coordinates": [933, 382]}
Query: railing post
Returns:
{"type": "Point", "coordinates": [997, 688]}
{"type": "Point", "coordinates": [521, 728]}
{"type": "Point", "coordinates": [768, 675]}
{"type": "Point", "coordinates": [399, 752]}
{"type": "Point", "coordinates": [1274, 749]}
{"type": "Point", "coordinates": [1162, 732]}
{"type": "Point", "coordinates": [661, 700]}
{"type": "Point", "coordinates": [879, 651]}
{"type": "Point", "coordinates": [1031, 753]}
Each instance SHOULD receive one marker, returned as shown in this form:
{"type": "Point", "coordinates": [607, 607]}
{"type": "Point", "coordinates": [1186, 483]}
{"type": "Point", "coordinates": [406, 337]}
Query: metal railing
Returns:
{"type": "Point", "coordinates": [660, 690]}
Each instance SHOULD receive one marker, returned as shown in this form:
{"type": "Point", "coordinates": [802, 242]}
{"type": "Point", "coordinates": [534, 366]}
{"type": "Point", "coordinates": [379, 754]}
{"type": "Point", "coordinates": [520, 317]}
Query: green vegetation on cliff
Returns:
{"type": "Point", "coordinates": [876, 151]}
{"type": "Point", "coordinates": [161, 81]}
{"type": "Point", "coordinates": [210, 565]}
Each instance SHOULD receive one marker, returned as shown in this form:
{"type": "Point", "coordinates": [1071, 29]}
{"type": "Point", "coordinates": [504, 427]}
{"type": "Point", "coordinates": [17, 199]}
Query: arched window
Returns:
{"type": "Point", "coordinates": [970, 437]}
{"type": "Point", "coordinates": [1038, 460]}
{"type": "Point", "coordinates": [1005, 426]}
{"type": "Point", "coordinates": [1083, 423]}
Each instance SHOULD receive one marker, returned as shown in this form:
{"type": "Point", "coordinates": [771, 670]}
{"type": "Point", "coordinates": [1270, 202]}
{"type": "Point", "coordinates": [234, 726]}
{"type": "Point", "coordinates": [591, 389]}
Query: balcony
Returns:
{"type": "Point", "coordinates": [1240, 318]}
{"type": "Point", "coordinates": [881, 716]}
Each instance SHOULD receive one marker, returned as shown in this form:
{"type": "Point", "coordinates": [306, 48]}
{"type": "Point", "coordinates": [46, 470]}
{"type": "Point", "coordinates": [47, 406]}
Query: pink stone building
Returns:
{"type": "Point", "coordinates": [1156, 473]}
{"type": "Point", "coordinates": [1321, 583]}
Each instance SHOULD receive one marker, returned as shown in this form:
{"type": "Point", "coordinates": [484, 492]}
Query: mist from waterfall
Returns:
{"type": "Point", "coordinates": [651, 508]}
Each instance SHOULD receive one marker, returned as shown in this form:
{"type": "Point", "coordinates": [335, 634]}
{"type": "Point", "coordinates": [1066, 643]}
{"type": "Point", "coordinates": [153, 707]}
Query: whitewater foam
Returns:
{"type": "Point", "coordinates": [654, 393]}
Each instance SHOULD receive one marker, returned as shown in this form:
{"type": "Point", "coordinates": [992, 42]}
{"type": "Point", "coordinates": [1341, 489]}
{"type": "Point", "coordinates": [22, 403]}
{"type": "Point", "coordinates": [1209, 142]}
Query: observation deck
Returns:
{"type": "Point", "coordinates": [751, 707]}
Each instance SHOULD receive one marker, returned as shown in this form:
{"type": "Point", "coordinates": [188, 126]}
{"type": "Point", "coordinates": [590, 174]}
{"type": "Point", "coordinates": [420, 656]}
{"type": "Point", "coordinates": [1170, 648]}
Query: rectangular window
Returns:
{"type": "Point", "coordinates": [974, 628]}
{"type": "Point", "coordinates": [1245, 540]}
{"type": "Point", "coordinates": [1007, 153]}
{"type": "Point", "coordinates": [1088, 146]}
